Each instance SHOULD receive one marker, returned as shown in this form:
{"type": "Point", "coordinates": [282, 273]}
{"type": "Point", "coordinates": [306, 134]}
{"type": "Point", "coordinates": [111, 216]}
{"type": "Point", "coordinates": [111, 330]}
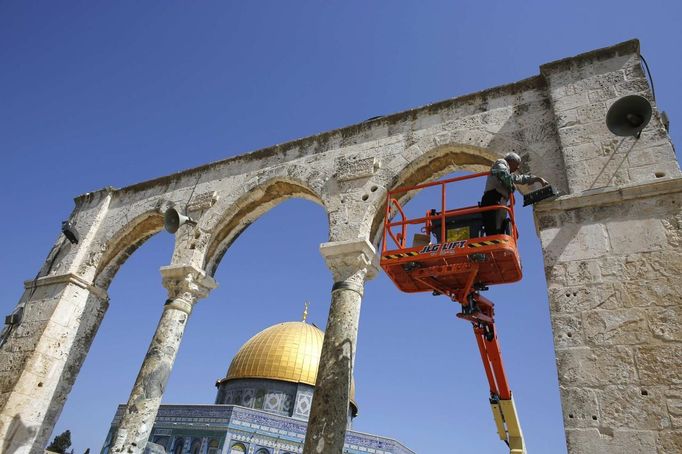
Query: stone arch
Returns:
{"type": "Point", "coordinates": [122, 244]}
{"type": "Point", "coordinates": [240, 214]}
{"type": "Point", "coordinates": [430, 166]}
{"type": "Point", "coordinates": [597, 254]}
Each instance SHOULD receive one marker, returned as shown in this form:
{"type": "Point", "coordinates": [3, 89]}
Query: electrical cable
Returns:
{"type": "Point", "coordinates": [189, 199]}
{"type": "Point", "coordinates": [653, 91]}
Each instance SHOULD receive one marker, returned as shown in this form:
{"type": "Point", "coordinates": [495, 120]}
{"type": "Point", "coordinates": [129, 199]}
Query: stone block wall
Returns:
{"type": "Point", "coordinates": [581, 90]}
{"type": "Point", "coordinates": [614, 275]}
{"type": "Point", "coordinates": [48, 347]}
{"type": "Point", "coordinates": [613, 260]}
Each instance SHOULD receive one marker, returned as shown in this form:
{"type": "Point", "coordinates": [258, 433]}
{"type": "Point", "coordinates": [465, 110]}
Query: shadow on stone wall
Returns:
{"type": "Point", "coordinates": [612, 172]}
{"type": "Point", "coordinates": [18, 435]}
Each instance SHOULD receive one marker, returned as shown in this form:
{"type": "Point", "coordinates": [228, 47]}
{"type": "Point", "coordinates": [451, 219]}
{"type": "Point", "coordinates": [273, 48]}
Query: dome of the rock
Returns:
{"type": "Point", "coordinates": [286, 352]}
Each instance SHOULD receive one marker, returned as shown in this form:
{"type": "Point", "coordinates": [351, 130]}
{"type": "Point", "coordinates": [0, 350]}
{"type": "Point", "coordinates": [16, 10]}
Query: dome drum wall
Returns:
{"type": "Point", "coordinates": [274, 396]}
{"type": "Point", "coordinates": [262, 394]}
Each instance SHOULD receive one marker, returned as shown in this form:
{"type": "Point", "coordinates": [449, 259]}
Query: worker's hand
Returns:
{"type": "Point", "coordinates": [542, 181]}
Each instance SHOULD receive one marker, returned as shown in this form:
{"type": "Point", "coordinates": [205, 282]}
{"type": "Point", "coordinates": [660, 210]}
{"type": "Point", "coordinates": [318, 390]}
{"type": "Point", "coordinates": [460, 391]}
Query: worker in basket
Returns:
{"type": "Point", "coordinates": [499, 185]}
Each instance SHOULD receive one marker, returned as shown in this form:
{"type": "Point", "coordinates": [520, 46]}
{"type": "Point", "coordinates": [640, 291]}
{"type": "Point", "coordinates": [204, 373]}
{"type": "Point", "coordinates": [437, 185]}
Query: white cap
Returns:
{"type": "Point", "coordinates": [511, 156]}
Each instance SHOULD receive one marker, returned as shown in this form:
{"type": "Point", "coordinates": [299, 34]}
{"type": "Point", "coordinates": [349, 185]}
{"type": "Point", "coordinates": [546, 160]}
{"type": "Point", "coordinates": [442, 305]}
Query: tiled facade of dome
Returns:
{"type": "Point", "coordinates": [231, 429]}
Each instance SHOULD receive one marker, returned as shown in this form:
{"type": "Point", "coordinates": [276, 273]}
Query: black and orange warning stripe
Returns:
{"type": "Point", "coordinates": [401, 255]}
{"type": "Point", "coordinates": [488, 243]}
{"type": "Point", "coordinates": [474, 245]}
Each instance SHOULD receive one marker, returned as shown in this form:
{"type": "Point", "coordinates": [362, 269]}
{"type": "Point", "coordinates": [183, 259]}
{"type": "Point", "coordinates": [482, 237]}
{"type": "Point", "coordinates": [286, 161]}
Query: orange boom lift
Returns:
{"type": "Point", "coordinates": [460, 264]}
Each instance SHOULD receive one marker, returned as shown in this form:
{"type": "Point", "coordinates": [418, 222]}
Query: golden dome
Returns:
{"type": "Point", "coordinates": [287, 351]}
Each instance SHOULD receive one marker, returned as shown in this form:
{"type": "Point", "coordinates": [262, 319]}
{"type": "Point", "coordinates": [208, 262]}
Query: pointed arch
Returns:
{"type": "Point", "coordinates": [121, 245]}
{"type": "Point", "coordinates": [430, 166]}
{"type": "Point", "coordinates": [247, 209]}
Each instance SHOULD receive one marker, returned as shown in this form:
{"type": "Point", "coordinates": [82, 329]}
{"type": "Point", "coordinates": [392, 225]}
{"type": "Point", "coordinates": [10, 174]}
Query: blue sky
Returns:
{"type": "Point", "coordinates": [96, 94]}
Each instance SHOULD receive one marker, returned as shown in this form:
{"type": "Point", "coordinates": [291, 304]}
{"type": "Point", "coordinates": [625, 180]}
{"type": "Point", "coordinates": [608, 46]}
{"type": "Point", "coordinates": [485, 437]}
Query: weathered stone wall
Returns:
{"type": "Point", "coordinates": [347, 171]}
{"type": "Point", "coordinates": [613, 271]}
{"type": "Point", "coordinates": [613, 258]}
{"type": "Point", "coordinates": [581, 90]}
{"type": "Point", "coordinates": [617, 213]}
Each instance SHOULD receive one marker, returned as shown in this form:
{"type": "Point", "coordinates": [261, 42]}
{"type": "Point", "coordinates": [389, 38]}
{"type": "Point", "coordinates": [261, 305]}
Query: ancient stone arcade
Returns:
{"type": "Point", "coordinates": [612, 249]}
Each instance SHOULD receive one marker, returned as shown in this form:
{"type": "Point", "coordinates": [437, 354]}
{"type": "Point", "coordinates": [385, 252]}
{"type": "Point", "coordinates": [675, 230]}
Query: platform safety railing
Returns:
{"type": "Point", "coordinates": [400, 239]}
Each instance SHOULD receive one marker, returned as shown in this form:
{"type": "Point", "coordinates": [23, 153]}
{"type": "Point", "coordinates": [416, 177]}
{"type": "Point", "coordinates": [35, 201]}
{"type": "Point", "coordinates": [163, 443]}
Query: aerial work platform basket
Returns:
{"type": "Point", "coordinates": [451, 254]}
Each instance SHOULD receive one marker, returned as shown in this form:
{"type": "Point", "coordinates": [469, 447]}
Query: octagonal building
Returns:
{"type": "Point", "coordinates": [262, 405]}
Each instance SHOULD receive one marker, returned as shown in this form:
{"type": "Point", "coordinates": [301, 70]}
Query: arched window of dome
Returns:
{"type": "Point", "coordinates": [178, 445]}
{"type": "Point", "coordinates": [196, 446]}
{"type": "Point", "coordinates": [162, 441]}
{"type": "Point", "coordinates": [237, 448]}
{"type": "Point", "coordinates": [262, 451]}
{"type": "Point", "coordinates": [213, 446]}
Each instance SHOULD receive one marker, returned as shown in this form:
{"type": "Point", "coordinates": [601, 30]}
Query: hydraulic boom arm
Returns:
{"type": "Point", "coordinates": [464, 259]}
{"type": "Point", "coordinates": [479, 311]}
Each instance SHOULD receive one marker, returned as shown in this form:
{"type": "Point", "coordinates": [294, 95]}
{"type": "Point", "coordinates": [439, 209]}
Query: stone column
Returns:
{"type": "Point", "coordinates": [613, 256]}
{"type": "Point", "coordinates": [351, 264]}
{"type": "Point", "coordinates": [613, 260]}
{"type": "Point", "coordinates": [186, 285]}
{"type": "Point", "coordinates": [42, 355]}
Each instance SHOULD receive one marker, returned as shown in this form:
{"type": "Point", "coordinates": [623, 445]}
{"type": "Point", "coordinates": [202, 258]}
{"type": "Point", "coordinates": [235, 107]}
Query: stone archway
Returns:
{"type": "Point", "coordinates": [430, 166]}
{"type": "Point", "coordinates": [617, 226]}
{"type": "Point", "coordinates": [244, 211]}
{"type": "Point", "coordinates": [205, 242]}
{"type": "Point", "coordinates": [122, 245]}
{"type": "Point", "coordinates": [75, 304]}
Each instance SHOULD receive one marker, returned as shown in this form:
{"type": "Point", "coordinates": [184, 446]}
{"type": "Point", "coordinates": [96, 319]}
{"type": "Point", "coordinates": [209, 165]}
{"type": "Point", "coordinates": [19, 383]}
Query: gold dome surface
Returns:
{"type": "Point", "coordinates": [288, 351]}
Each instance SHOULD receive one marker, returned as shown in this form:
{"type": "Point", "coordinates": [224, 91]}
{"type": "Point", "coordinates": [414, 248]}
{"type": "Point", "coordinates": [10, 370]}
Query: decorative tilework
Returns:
{"type": "Point", "coordinates": [287, 403]}
{"type": "Point", "coordinates": [303, 403]}
{"type": "Point", "coordinates": [273, 402]}
{"type": "Point", "coordinates": [254, 428]}
{"type": "Point", "coordinates": [248, 396]}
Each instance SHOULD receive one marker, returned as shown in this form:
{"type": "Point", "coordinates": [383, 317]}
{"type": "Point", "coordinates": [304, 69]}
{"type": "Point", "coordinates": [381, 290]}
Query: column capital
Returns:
{"type": "Point", "coordinates": [187, 283]}
{"type": "Point", "coordinates": [351, 261]}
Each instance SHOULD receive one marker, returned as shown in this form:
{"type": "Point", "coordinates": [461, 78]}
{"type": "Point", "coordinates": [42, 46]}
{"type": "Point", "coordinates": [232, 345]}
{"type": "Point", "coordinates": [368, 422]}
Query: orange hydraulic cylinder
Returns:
{"type": "Point", "coordinates": [492, 363]}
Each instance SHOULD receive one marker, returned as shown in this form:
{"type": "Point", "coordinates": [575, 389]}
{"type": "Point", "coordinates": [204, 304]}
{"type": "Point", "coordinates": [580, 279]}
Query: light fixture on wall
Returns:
{"type": "Point", "coordinates": [628, 116]}
{"type": "Point", "coordinates": [70, 232]}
